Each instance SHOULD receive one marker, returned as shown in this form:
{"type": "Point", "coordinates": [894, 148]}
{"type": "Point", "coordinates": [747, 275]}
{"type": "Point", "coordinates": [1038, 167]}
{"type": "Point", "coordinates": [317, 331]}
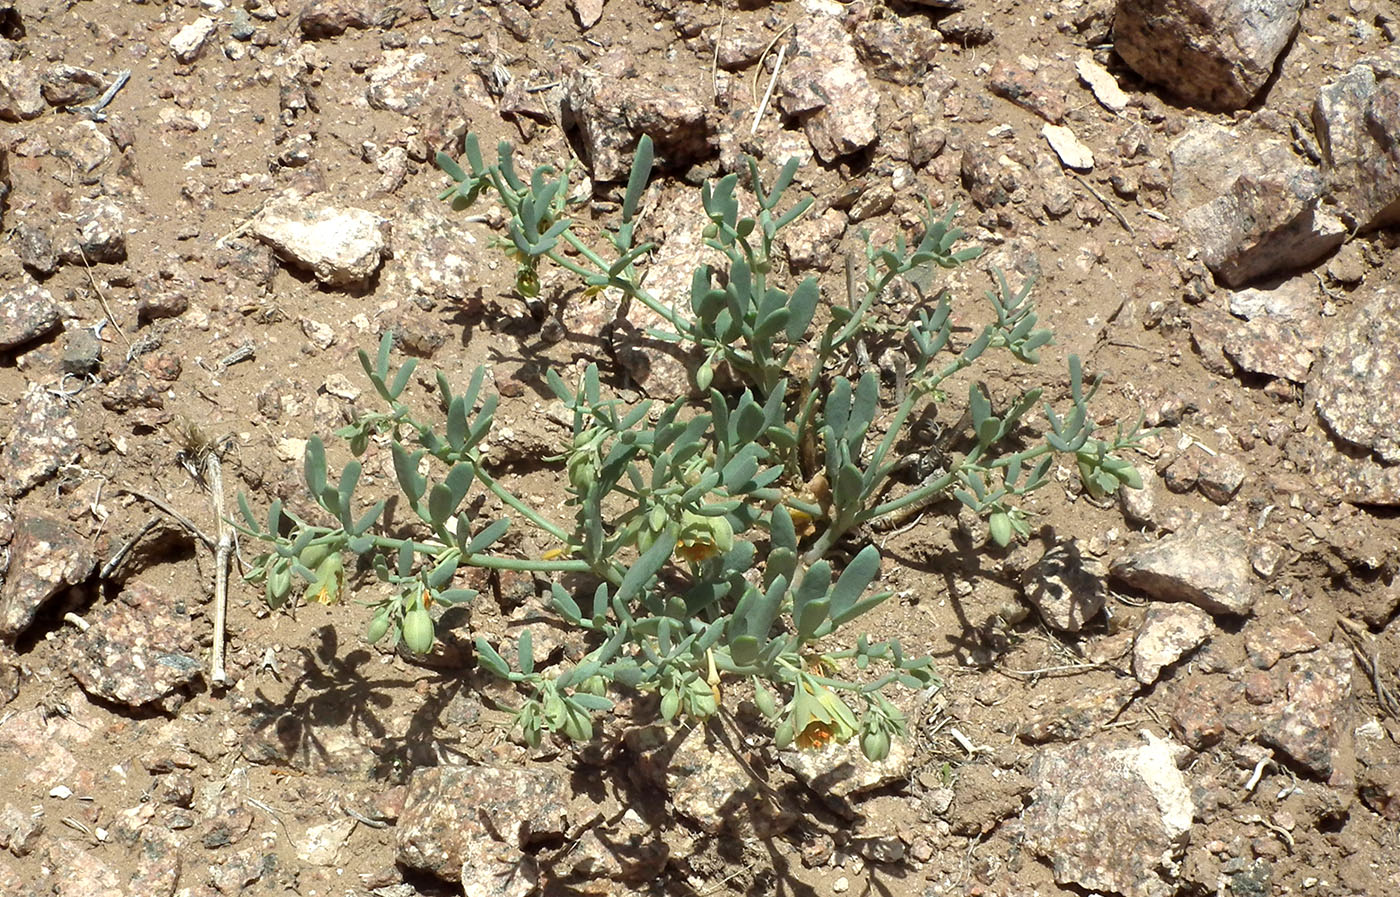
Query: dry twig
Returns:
{"type": "Point", "coordinates": [1112, 209]}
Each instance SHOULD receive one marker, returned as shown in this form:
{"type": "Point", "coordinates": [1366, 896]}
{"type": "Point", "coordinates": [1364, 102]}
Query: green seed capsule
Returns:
{"type": "Point", "coordinates": [418, 631]}
{"type": "Point", "coordinates": [763, 699]}
{"type": "Point", "coordinates": [999, 527]}
{"type": "Point", "coordinates": [875, 745]}
{"type": "Point", "coordinates": [670, 705]}
{"type": "Point", "coordinates": [783, 735]}
{"type": "Point", "coordinates": [378, 627]}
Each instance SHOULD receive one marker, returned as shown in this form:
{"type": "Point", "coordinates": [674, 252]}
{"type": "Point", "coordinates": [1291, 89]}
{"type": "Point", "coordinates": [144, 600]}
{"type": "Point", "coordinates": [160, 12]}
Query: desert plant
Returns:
{"type": "Point", "coordinates": [714, 541]}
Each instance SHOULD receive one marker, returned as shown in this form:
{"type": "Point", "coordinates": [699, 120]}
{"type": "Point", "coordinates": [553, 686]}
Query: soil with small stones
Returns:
{"type": "Point", "coordinates": [316, 726]}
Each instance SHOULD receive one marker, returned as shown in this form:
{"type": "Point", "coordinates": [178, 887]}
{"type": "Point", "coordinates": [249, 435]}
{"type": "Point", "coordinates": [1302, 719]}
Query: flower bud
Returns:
{"type": "Point", "coordinates": [418, 631]}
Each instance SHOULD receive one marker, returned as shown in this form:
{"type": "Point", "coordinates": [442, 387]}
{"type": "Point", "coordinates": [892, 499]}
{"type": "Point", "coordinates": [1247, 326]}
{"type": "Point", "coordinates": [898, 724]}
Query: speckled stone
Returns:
{"type": "Point", "coordinates": [824, 84]}
{"type": "Point", "coordinates": [45, 558]}
{"type": "Point", "coordinates": [139, 650]}
{"type": "Point", "coordinates": [1268, 642]}
{"type": "Point", "coordinates": [1066, 586]}
{"type": "Point", "coordinates": [1315, 728]}
{"type": "Point", "coordinates": [20, 829]}
{"type": "Point", "coordinates": [1357, 385]}
{"type": "Point", "coordinates": [9, 674]}
{"type": "Point", "coordinates": [436, 257]}
{"type": "Point", "coordinates": [705, 782]}
{"type": "Point", "coordinates": [27, 313]}
{"type": "Point", "coordinates": [1217, 55]}
{"type": "Point", "coordinates": [1081, 715]}
{"type": "Point", "coordinates": [1207, 566]}
{"type": "Point", "coordinates": [1108, 814]}
{"type": "Point", "coordinates": [42, 438]}
{"type": "Point", "coordinates": [469, 823]}
{"type": "Point", "coordinates": [1168, 633]}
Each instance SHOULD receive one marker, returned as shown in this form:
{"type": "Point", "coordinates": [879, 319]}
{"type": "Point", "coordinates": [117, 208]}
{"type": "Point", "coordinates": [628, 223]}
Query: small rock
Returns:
{"type": "Point", "coordinates": [1066, 586]}
{"type": "Point", "coordinates": [1348, 266]}
{"type": "Point", "coordinates": [707, 785]}
{"type": "Point", "coordinates": [436, 261]}
{"type": "Point", "coordinates": [1215, 55]}
{"type": "Point", "coordinates": [68, 85]}
{"type": "Point", "coordinates": [341, 246]}
{"type": "Point", "coordinates": [1103, 84]}
{"type": "Point", "coordinates": [82, 353]}
{"type": "Point", "coordinates": [21, 829]}
{"type": "Point", "coordinates": [283, 740]}
{"type": "Point", "coordinates": [45, 558]}
{"type": "Point", "coordinates": [612, 111]}
{"type": "Point", "coordinates": [11, 672]}
{"type": "Point", "coordinates": [329, 18]}
{"type": "Point", "coordinates": [587, 11]}
{"type": "Point", "coordinates": [838, 772]}
{"type": "Point", "coordinates": [322, 845]}
{"type": "Point", "coordinates": [87, 146]}
{"type": "Point", "coordinates": [1273, 348]}
{"type": "Point", "coordinates": [130, 390]}
{"type": "Point", "coordinates": [988, 182]}
{"type": "Point", "coordinates": [967, 29]}
{"type": "Point", "coordinates": [100, 236]}
{"type": "Point", "coordinates": [159, 298]}
{"type": "Point", "coordinates": [896, 49]}
{"type": "Point", "coordinates": [35, 249]}
{"type": "Point", "coordinates": [811, 241]}
{"type": "Point", "coordinates": [1295, 301]}
{"type": "Point", "coordinates": [1357, 122]}
{"type": "Point", "coordinates": [1315, 728]}
{"type": "Point", "coordinates": [188, 44]}
{"type": "Point", "coordinates": [21, 96]}
{"type": "Point", "coordinates": [27, 313]}
{"type": "Point", "coordinates": [1108, 814]}
{"type": "Point", "coordinates": [1197, 711]}
{"type": "Point", "coordinates": [1266, 645]}
{"type": "Point", "coordinates": [1357, 381]}
{"type": "Point", "coordinates": [1183, 473]}
{"type": "Point", "coordinates": [1022, 87]}
{"type": "Point", "coordinates": [1262, 226]}
{"type": "Point", "coordinates": [874, 200]}
{"type": "Point", "coordinates": [1208, 566]}
{"type": "Point", "coordinates": [139, 650]}
{"type": "Point", "coordinates": [43, 437]}
{"type": "Point", "coordinates": [1080, 716]}
{"type": "Point", "coordinates": [629, 851]}
{"type": "Point", "coordinates": [1072, 152]}
{"type": "Point", "coordinates": [241, 27]}
{"type": "Point", "coordinates": [401, 82]}
{"type": "Point", "coordinates": [1220, 477]}
{"type": "Point", "coordinates": [1168, 633]}
{"type": "Point", "coordinates": [1379, 789]}
{"type": "Point", "coordinates": [469, 824]}
{"type": "Point", "coordinates": [824, 85]}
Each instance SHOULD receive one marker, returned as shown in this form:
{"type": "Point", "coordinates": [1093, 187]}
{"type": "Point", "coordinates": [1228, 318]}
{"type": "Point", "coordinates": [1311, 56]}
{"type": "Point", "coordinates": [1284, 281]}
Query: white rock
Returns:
{"type": "Point", "coordinates": [1068, 147]}
{"type": "Point", "coordinates": [1102, 83]}
{"type": "Point", "coordinates": [342, 247]}
{"type": "Point", "coordinates": [322, 844]}
{"type": "Point", "coordinates": [588, 12]}
{"type": "Point", "coordinates": [189, 43]}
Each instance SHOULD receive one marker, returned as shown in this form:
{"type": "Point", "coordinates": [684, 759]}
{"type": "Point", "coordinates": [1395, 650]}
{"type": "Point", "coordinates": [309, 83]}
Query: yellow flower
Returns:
{"type": "Point", "coordinates": [816, 736]}
{"type": "Point", "coordinates": [703, 537]}
{"type": "Point", "coordinates": [697, 551]}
